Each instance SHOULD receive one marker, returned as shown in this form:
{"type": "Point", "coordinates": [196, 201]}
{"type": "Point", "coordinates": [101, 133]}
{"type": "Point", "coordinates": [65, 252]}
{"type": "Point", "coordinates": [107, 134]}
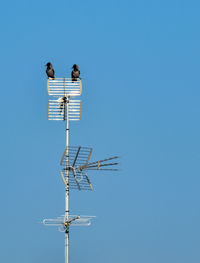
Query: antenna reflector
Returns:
{"type": "Point", "coordinates": [64, 87]}
{"type": "Point", "coordinates": [56, 109]}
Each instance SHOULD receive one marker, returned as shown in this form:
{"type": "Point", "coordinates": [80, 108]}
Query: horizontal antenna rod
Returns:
{"type": "Point", "coordinates": [104, 160]}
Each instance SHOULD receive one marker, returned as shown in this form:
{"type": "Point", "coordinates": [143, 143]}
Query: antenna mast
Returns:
{"type": "Point", "coordinates": [75, 160]}
{"type": "Point", "coordinates": [67, 186]}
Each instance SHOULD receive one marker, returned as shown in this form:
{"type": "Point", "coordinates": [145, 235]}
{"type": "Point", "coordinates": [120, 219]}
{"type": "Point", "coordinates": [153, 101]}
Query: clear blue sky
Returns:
{"type": "Point", "coordinates": [139, 62]}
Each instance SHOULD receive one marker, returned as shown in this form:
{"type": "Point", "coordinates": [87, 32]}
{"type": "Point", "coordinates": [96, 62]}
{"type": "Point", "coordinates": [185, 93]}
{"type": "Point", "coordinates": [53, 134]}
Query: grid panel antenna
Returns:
{"type": "Point", "coordinates": [56, 110]}
{"type": "Point", "coordinates": [64, 87]}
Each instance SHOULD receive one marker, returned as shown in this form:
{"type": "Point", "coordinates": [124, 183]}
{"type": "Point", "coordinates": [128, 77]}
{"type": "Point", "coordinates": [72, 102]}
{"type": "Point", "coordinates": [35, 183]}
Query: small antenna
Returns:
{"type": "Point", "coordinates": [63, 224]}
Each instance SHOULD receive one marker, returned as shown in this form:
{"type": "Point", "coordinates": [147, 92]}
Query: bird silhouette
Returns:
{"type": "Point", "coordinates": [75, 72]}
{"type": "Point", "coordinates": [50, 71]}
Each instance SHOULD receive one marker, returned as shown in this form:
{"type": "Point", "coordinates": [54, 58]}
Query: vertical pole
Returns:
{"type": "Point", "coordinates": [67, 186]}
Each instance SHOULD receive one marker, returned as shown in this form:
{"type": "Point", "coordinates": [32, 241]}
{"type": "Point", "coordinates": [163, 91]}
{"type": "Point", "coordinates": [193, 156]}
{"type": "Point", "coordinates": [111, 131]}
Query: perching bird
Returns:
{"type": "Point", "coordinates": [75, 72]}
{"type": "Point", "coordinates": [50, 71]}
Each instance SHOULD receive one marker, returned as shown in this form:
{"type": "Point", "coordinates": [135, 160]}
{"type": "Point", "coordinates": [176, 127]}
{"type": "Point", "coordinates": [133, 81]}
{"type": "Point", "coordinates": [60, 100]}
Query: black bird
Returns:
{"type": "Point", "coordinates": [75, 72]}
{"type": "Point", "coordinates": [50, 71]}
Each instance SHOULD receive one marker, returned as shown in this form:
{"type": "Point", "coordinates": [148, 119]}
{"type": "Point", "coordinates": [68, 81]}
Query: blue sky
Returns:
{"type": "Point", "coordinates": [139, 63]}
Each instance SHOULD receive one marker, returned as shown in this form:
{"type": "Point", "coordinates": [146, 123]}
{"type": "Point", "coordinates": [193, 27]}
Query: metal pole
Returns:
{"type": "Point", "coordinates": [67, 186]}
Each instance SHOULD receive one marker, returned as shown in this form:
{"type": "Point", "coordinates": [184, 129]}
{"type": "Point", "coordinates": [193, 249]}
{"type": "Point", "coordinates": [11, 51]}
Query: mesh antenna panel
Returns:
{"type": "Point", "coordinates": [56, 110]}
{"type": "Point", "coordinates": [76, 156]}
{"type": "Point", "coordinates": [64, 87]}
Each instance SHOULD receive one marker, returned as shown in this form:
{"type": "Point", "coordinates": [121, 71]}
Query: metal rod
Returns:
{"type": "Point", "coordinates": [67, 186]}
{"type": "Point", "coordinates": [100, 165]}
{"type": "Point", "coordinates": [104, 160]}
{"type": "Point", "coordinates": [104, 169]}
{"type": "Point", "coordinates": [76, 156]}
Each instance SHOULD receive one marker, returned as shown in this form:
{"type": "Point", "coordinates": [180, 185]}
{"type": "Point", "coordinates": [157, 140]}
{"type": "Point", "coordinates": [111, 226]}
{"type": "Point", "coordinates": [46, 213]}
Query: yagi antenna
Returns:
{"type": "Point", "coordinates": [75, 162]}
{"type": "Point", "coordinates": [78, 164]}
